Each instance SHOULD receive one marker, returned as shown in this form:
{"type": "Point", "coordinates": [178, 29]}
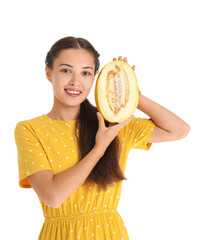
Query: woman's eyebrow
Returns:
{"type": "Point", "coordinates": [64, 64]}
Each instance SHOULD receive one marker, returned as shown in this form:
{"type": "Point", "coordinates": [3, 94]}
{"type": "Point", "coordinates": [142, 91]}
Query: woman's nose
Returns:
{"type": "Point", "coordinates": [75, 79]}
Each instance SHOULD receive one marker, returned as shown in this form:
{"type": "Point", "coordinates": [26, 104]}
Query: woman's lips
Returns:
{"type": "Point", "coordinates": [72, 94]}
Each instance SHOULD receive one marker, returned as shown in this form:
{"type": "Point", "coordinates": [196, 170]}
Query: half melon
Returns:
{"type": "Point", "coordinates": [117, 91]}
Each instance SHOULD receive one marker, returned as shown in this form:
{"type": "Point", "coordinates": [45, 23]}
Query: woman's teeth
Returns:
{"type": "Point", "coordinates": [73, 92]}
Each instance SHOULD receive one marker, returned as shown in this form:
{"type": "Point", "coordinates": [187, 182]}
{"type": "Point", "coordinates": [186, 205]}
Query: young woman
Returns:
{"type": "Point", "coordinates": [73, 158]}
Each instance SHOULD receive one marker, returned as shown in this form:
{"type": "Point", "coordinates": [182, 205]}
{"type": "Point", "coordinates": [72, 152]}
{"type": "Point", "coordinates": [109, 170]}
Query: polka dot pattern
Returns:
{"type": "Point", "coordinates": [89, 213]}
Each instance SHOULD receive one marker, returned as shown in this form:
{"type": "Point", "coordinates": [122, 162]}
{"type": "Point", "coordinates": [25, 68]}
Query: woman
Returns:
{"type": "Point", "coordinates": [73, 158]}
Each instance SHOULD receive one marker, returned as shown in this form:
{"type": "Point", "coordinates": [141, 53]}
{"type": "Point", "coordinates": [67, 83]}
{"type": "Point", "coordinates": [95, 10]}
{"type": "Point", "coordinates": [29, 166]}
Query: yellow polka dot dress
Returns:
{"type": "Point", "coordinates": [89, 213]}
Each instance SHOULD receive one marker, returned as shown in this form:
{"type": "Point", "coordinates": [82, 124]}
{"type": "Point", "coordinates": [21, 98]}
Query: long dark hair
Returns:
{"type": "Point", "coordinates": [107, 171]}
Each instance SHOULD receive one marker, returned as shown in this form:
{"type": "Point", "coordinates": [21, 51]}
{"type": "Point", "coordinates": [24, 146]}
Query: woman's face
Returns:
{"type": "Point", "coordinates": [73, 68]}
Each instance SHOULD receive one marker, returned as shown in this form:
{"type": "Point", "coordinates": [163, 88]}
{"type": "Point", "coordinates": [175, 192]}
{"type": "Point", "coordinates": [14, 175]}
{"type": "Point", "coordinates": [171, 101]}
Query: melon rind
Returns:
{"type": "Point", "coordinates": [100, 97]}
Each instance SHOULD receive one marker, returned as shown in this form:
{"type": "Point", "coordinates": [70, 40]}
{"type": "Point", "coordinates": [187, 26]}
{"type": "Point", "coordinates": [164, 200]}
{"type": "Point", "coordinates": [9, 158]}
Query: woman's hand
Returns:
{"type": "Point", "coordinates": [105, 135]}
{"type": "Point", "coordinates": [125, 60]}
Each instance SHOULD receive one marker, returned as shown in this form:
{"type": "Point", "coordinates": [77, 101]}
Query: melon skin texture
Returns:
{"type": "Point", "coordinates": [117, 91]}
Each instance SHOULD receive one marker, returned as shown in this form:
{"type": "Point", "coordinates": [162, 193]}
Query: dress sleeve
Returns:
{"type": "Point", "coordinates": [137, 133]}
{"type": "Point", "coordinates": [31, 155]}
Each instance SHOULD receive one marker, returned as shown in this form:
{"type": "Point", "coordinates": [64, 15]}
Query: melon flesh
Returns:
{"type": "Point", "coordinates": [117, 91]}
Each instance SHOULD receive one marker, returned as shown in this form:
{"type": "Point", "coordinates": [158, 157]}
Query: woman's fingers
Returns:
{"type": "Point", "coordinates": [100, 120]}
{"type": "Point", "coordinates": [123, 124]}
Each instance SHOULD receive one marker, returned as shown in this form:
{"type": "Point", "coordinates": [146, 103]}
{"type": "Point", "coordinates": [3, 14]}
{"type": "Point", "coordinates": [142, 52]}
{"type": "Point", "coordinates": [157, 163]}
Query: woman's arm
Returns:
{"type": "Point", "coordinates": [54, 189]}
{"type": "Point", "coordinates": [168, 126]}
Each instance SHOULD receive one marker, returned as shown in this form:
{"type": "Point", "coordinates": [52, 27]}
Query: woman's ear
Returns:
{"type": "Point", "coordinates": [48, 73]}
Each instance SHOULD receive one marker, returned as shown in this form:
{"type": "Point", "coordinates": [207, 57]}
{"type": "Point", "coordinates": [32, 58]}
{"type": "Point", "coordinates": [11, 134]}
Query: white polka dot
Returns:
{"type": "Point", "coordinates": [49, 147]}
{"type": "Point", "coordinates": [93, 234]}
{"type": "Point", "coordinates": [25, 160]}
{"type": "Point", "coordinates": [82, 196]}
{"type": "Point", "coordinates": [85, 228]}
{"type": "Point", "coordinates": [41, 154]}
{"type": "Point", "coordinates": [65, 145]}
{"type": "Point", "coordinates": [30, 150]}
{"type": "Point", "coordinates": [71, 137]}
{"type": "Point", "coordinates": [47, 134]}
{"type": "Point", "coordinates": [89, 202]}
{"type": "Point", "coordinates": [42, 165]}
{"type": "Point", "coordinates": [38, 129]}
{"type": "Point", "coordinates": [51, 160]}
{"type": "Point", "coordinates": [67, 157]}
{"type": "Point", "coordinates": [107, 225]}
{"type": "Point", "coordinates": [62, 133]}
{"type": "Point", "coordinates": [142, 135]}
{"type": "Point", "coordinates": [43, 125]}
{"type": "Point", "coordinates": [91, 219]}
{"type": "Point", "coordinates": [53, 129]}
{"type": "Point", "coordinates": [98, 226]}
{"type": "Point", "coordinates": [152, 129]}
{"type": "Point", "coordinates": [130, 130]}
{"type": "Point", "coordinates": [59, 165]}
{"type": "Point", "coordinates": [37, 143]}
{"type": "Point", "coordinates": [58, 152]}
{"type": "Point", "coordinates": [33, 162]}
{"type": "Point", "coordinates": [75, 205]}
{"type": "Point", "coordinates": [56, 140]}
{"type": "Point", "coordinates": [26, 138]}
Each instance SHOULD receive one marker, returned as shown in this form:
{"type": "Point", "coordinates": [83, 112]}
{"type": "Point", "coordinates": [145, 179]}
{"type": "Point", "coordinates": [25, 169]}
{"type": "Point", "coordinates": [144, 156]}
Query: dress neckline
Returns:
{"type": "Point", "coordinates": [60, 121]}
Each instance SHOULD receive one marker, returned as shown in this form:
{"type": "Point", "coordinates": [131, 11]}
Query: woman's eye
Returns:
{"type": "Point", "coordinates": [87, 73]}
{"type": "Point", "coordinates": [65, 70]}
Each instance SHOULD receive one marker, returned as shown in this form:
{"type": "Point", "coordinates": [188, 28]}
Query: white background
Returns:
{"type": "Point", "coordinates": [165, 196]}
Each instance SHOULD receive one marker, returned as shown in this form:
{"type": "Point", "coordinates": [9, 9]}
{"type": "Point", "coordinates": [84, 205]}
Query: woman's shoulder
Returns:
{"type": "Point", "coordinates": [30, 121]}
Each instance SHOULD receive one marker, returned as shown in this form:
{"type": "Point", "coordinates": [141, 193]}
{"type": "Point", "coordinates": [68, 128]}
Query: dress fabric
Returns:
{"type": "Point", "coordinates": [89, 213]}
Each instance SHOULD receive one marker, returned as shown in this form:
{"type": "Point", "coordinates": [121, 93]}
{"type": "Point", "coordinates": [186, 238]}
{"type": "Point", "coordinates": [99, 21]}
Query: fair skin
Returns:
{"type": "Point", "coordinates": [79, 75]}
